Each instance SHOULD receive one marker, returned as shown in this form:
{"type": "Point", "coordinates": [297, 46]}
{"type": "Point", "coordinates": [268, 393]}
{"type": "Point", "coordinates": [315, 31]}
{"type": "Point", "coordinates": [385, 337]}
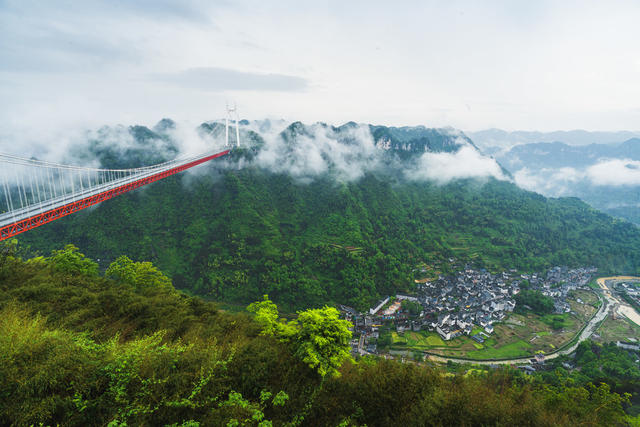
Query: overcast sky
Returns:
{"type": "Point", "coordinates": [533, 65]}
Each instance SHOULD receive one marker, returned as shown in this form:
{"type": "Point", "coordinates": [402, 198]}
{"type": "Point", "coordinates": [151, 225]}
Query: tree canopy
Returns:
{"type": "Point", "coordinates": [235, 235]}
{"type": "Point", "coordinates": [534, 300]}
{"type": "Point", "coordinates": [318, 336]}
{"type": "Point", "coordinates": [83, 349]}
{"type": "Point", "coordinates": [71, 261]}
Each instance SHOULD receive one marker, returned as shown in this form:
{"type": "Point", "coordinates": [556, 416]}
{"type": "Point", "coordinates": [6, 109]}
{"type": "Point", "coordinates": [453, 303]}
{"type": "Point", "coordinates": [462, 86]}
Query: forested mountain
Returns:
{"type": "Point", "coordinates": [309, 222]}
{"type": "Point", "coordinates": [419, 138]}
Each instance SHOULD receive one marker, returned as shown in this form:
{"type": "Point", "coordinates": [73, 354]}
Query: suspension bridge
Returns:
{"type": "Point", "coordinates": [35, 192]}
{"type": "Point", "coordinates": [38, 192]}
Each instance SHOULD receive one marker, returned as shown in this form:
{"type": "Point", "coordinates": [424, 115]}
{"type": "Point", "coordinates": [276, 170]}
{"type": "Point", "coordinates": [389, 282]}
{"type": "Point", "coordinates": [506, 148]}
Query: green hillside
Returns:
{"type": "Point", "coordinates": [234, 235]}
{"type": "Point", "coordinates": [78, 349]}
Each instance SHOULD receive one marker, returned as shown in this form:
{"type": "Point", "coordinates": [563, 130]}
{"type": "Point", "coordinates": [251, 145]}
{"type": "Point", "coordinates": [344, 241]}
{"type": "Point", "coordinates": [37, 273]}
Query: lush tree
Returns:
{"type": "Point", "coordinates": [322, 339]}
{"type": "Point", "coordinates": [319, 337]}
{"type": "Point", "coordinates": [122, 269]}
{"type": "Point", "coordinates": [141, 275]}
{"type": "Point", "coordinates": [412, 307]}
{"type": "Point", "coordinates": [266, 314]}
{"type": "Point", "coordinates": [8, 249]}
{"type": "Point", "coordinates": [71, 261]}
{"type": "Point", "coordinates": [535, 300]}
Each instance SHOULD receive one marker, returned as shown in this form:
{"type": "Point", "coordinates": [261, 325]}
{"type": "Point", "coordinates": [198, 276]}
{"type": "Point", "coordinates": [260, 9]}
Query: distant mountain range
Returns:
{"type": "Point", "coordinates": [414, 139]}
{"type": "Point", "coordinates": [607, 176]}
{"type": "Point", "coordinates": [558, 154]}
{"type": "Point", "coordinates": [491, 140]}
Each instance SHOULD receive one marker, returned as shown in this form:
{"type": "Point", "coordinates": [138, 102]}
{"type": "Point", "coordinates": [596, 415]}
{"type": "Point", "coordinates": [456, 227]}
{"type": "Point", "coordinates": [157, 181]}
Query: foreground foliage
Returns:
{"type": "Point", "coordinates": [318, 336]}
{"type": "Point", "coordinates": [80, 349]}
{"type": "Point", "coordinates": [601, 363]}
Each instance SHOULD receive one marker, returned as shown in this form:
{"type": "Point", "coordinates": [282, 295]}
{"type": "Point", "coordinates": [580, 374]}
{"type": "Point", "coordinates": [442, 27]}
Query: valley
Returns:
{"type": "Point", "coordinates": [603, 174]}
{"type": "Point", "coordinates": [309, 214]}
{"type": "Point", "coordinates": [246, 226]}
{"type": "Point", "coordinates": [463, 278]}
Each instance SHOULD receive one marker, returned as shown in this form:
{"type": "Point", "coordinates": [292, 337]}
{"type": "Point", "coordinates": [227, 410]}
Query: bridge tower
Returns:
{"type": "Point", "coordinates": [231, 112]}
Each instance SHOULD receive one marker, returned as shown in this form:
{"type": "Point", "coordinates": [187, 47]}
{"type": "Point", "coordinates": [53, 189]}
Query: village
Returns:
{"type": "Point", "coordinates": [468, 303]}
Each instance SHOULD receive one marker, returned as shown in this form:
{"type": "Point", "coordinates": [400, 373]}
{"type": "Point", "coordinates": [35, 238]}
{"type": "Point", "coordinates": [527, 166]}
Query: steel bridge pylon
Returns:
{"type": "Point", "coordinates": [232, 114]}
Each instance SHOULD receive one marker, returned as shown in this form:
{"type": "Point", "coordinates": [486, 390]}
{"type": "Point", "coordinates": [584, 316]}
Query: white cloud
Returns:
{"type": "Point", "coordinates": [568, 181]}
{"type": "Point", "coordinates": [547, 181]}
{"type": "Point", "coordinates": [465, 163]}
{"type": "Point", "coordinates": [615, 172]}
{"type": "Point", "coordinates": [349, 154]}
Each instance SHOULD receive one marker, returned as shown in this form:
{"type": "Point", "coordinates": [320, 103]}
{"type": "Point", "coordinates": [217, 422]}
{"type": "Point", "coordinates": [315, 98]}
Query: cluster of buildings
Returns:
{"type": "Point", "coordinates": [453, 306]}
{"type": "Point", "coordinates": [630, 344]}
{"type": "Point", "coordinates": [559, 281]}
{"type": "Point", "coordinates": [467, 303]}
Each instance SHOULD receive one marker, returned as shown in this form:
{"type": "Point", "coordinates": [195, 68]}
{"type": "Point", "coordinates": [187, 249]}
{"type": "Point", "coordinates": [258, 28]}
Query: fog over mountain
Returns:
{"type": "Point", "coordinates": [605, 175]}
{"type": "Point", "coordinates": [304, 151]}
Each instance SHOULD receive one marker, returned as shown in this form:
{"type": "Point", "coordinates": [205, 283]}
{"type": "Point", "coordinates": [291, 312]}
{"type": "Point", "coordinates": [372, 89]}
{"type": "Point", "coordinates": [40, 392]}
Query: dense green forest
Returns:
{"type": "Point", "coordinates": [599, 363]}
{"type": "Point", "coordinates": [236, 235]}
{"type": "Point", "coordinates": [125, 348]}
{"type": "Point", "coordinates": [236, 229]}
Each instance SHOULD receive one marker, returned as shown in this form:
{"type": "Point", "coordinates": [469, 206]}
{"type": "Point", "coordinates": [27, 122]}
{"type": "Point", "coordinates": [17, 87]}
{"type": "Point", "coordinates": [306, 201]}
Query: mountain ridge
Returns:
{"type": "Point", "coordinates": [242, 227]}
{"type": "Point", "coordinates": [495, 139]}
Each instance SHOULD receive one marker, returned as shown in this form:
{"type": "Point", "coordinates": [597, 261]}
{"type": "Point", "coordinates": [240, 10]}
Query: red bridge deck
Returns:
{"type": "Point", "coordinates": [69, 208]}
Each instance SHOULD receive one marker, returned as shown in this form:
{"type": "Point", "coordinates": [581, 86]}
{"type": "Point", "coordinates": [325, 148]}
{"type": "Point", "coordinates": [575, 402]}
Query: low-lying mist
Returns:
{"type": "Point", "coordinates": [304, 152]}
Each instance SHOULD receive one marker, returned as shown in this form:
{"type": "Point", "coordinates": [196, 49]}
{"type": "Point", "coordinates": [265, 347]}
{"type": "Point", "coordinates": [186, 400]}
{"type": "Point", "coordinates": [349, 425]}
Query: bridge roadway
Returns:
{"type": "Point", "coordinates": [20, 220]}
